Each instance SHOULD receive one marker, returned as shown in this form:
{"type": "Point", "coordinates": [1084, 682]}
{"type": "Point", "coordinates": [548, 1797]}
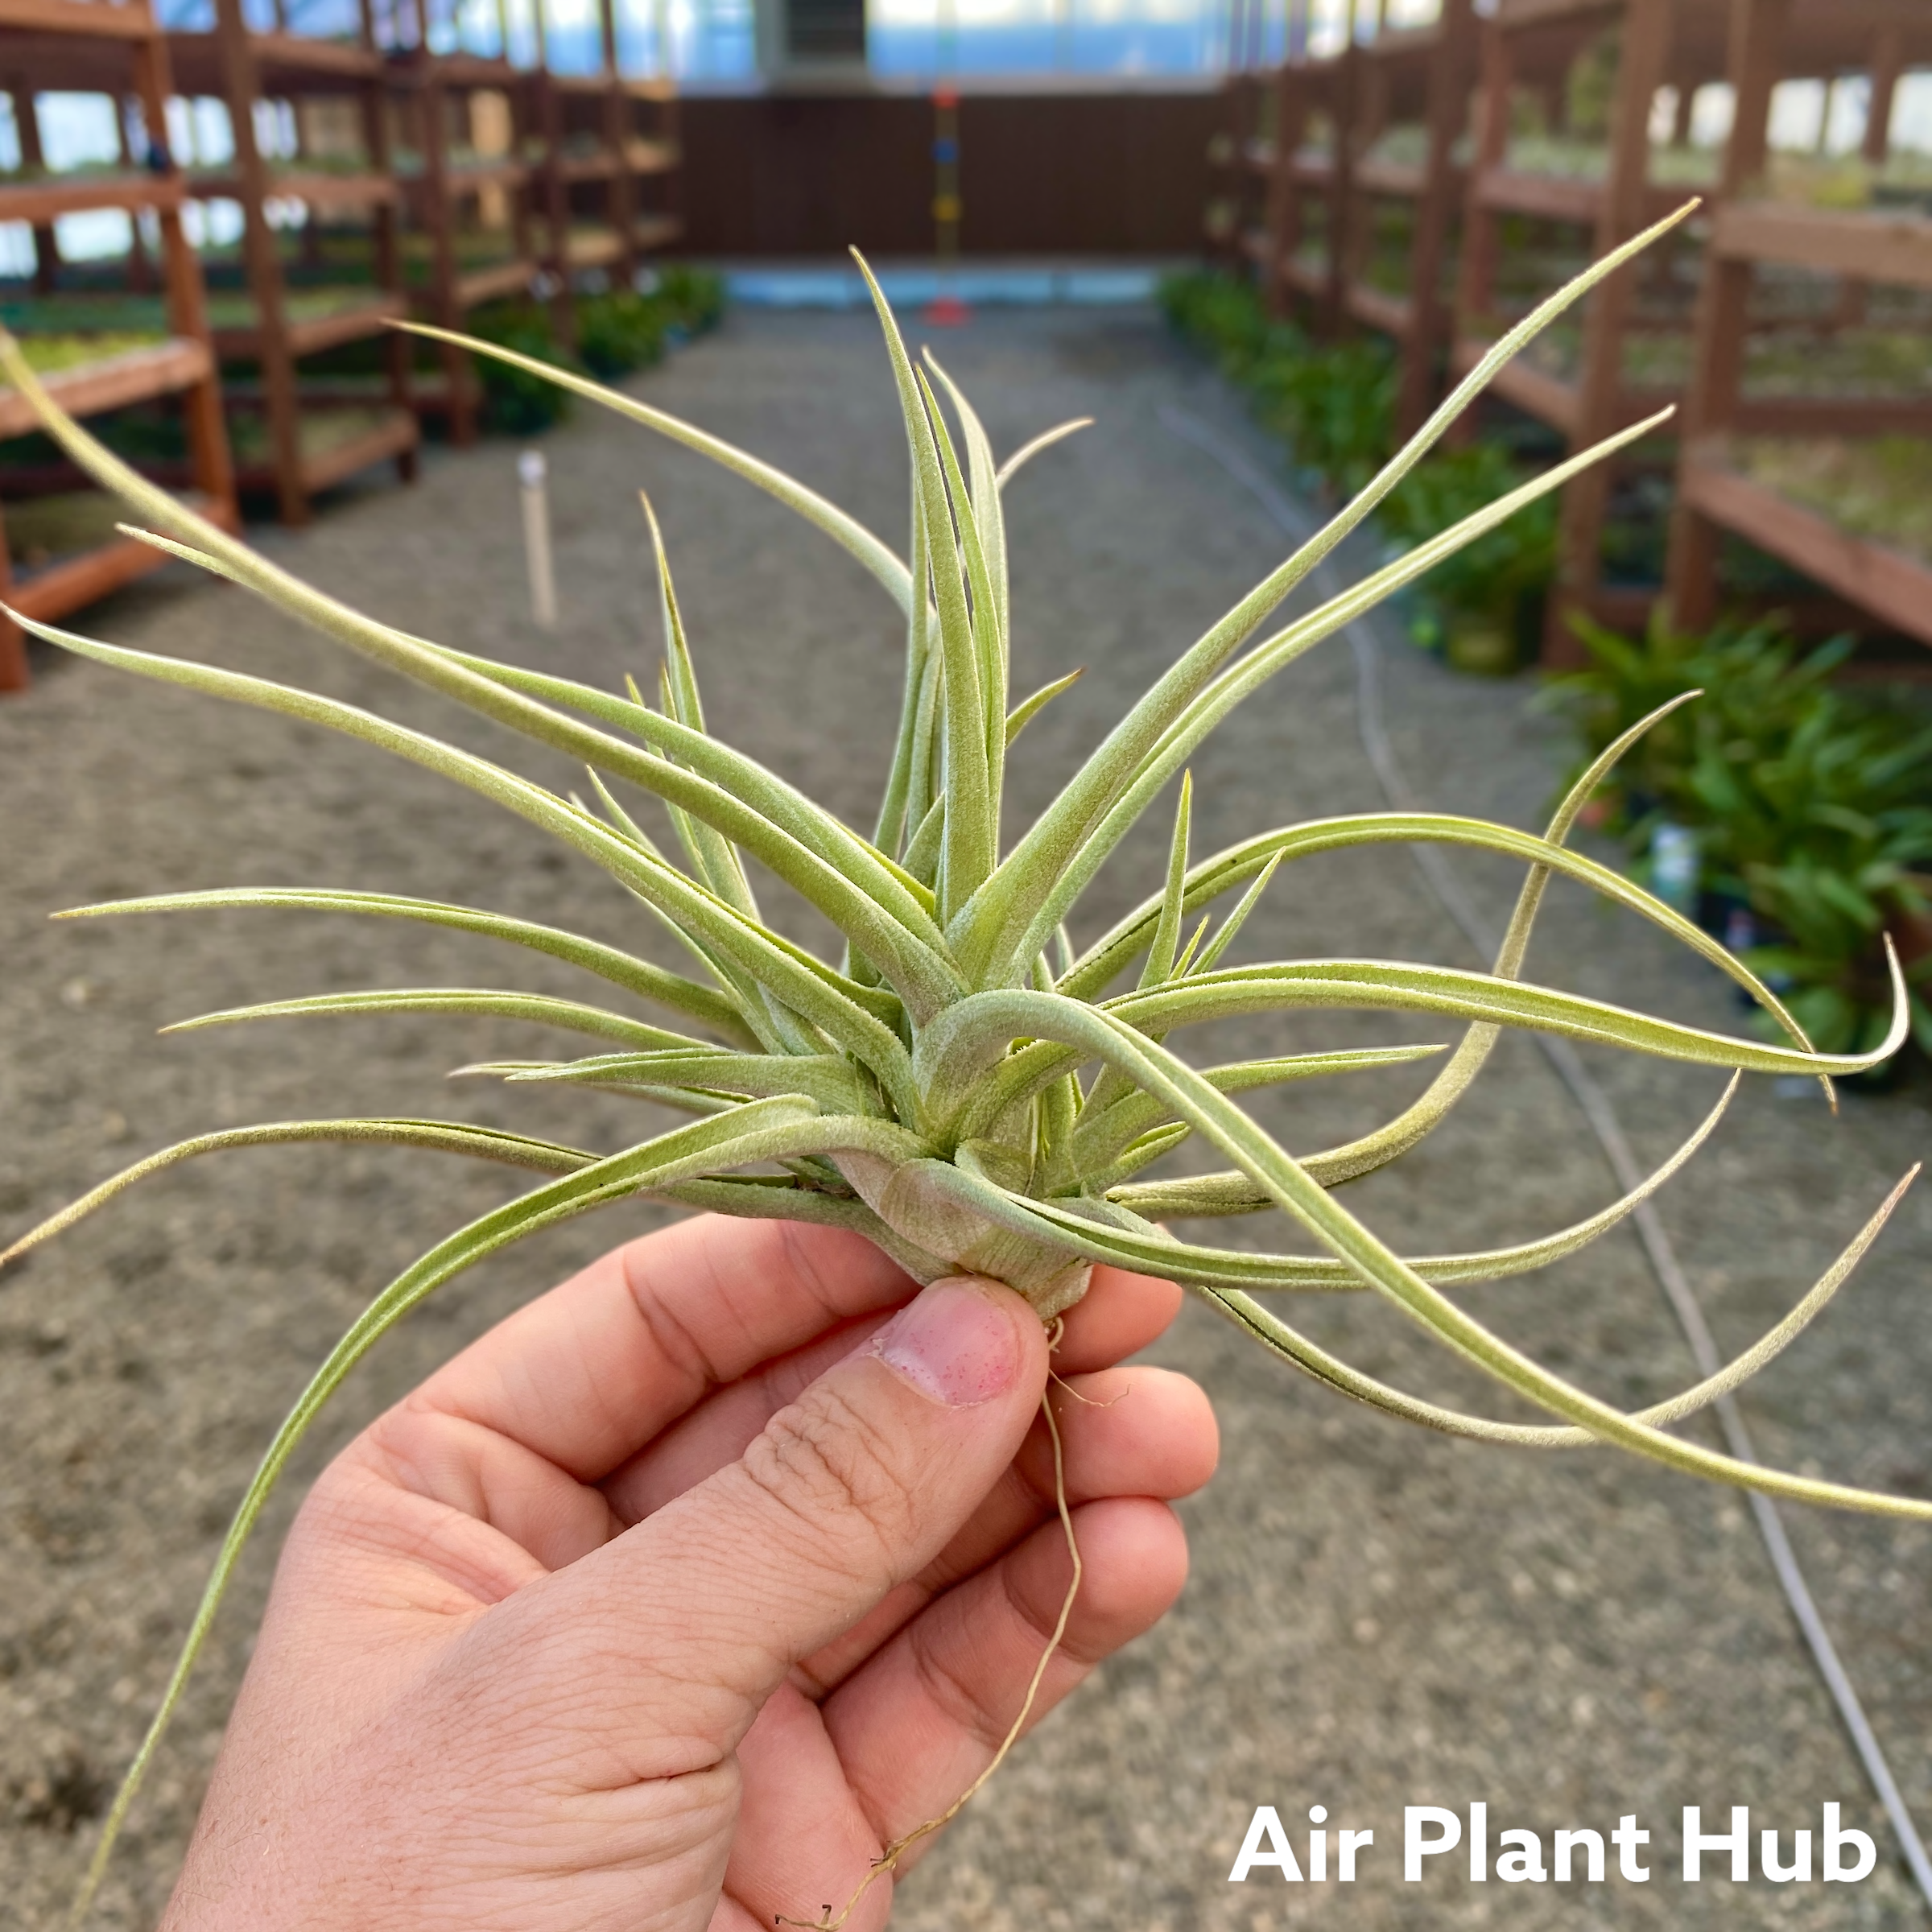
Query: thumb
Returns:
{"type": "Point", "coordinates": [676, 1632]}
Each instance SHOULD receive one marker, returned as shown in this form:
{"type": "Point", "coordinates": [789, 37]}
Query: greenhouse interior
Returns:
{"type": "Point", "coordinates": [878, 454]}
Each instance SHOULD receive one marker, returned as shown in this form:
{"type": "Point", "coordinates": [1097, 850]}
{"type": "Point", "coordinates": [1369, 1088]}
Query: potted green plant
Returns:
{"type": "Point", "coordinates": [1483, 605]}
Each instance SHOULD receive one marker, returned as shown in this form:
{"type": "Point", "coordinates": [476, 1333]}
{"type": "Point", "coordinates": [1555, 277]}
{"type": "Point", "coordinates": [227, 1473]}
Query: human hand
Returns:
{"type": "Point", "coordinates": [687, 1590]}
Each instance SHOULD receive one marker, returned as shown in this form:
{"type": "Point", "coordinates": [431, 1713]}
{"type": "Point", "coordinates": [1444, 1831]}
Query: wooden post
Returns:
{"type": "Point", "coordinates": [1450, 74]}
{"type": "Point", "coordinates": [241, 83]}
{"type": "Point", "coordinates": [47, 250]}
{"type": "Point", "coordinates": [671, 184]}
{"type": "Point", "coordinates": [1887, 69]}
{"type": "Point", "coordinates": [523, 200]}
{"type": "Point", "coordinates": [1717, 372]}
{"type": "Point", "coordinates": [399, 351]}
{"type": "Point", "coordinates": [1680, 114]}
{"type": "Point", "coordinates": [13, 639]}
{"type": "Point", "coordinates": [1280, 210]}
{"type": "Point", "coordinates": [1476, 282]}
{"type": "Point", "coordinates": [1646, 45]}
{"type": "Point", "coordinates": [1287, 221]}
{"type": "Point", "coordinates": [432, 135]}
{"type": "Point", "coordinates": [1345, 93]}
{"type": "Point", "coordinates": [140, 271]}
{"type": "Point", "coordinates": [556, 191]}
{"type": "Point", "coordinates": [621, 197]}
{"type": "Point", "coordinates": [209, 460]}
{"type": "Point", "coordinates": [1482, 237]}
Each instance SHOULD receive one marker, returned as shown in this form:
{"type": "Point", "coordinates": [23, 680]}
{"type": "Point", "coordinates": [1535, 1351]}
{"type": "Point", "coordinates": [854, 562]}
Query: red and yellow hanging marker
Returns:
{"type": "Point", "coordinates": [946, 310]}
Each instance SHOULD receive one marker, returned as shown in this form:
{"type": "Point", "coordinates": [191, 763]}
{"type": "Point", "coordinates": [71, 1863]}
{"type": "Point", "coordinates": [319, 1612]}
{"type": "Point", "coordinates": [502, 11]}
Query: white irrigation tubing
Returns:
{"type": "Point", "coordinates": [1594, 1104]}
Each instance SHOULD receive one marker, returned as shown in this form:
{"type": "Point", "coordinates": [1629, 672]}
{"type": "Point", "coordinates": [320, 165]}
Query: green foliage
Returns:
{"type": "Point", "coordinates": [1219, 314]}
{"type": "Point", "coordinates": [692, 298]}
{"type": "Point", "coordinates": [1495, 574]}
{"type": "Point", "coordinates": [517, 402]}
{"type": "Point", "coordinates": [1590, 87]}
{"type": "Point", "coordinates": [1335, 406]}
{"type": "Point", "coordinates": [1758, 685]}
{"type": "Point", "coordinates": [1810, 804]}
{"type": "Point", "coordinates": [621, 331]}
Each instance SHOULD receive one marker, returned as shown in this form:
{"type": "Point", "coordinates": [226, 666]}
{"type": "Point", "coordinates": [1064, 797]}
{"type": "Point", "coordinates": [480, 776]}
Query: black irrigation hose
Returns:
{"type": "Point", "coordinates": [1594, 1106]}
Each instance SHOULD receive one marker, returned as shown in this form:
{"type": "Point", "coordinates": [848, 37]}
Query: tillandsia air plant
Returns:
{"type": "Point", "coordinates": [965, 1086]}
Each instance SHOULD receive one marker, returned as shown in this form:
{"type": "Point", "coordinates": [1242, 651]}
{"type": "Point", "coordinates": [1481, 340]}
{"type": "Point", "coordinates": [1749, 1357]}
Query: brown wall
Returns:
{"type": "Point", "coordinates": [1081, 174]}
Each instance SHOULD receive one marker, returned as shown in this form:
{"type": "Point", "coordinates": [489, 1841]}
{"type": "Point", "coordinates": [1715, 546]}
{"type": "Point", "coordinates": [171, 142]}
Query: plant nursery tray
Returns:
{"type": "Point", "coordinates": [1853, 513]}
{"type": "Point", "coordinates": [68, 582]}
{"type": "Point", "coordinates": [88, 374]}
{"type": "Point", "coordinates": [41, 198]}
{"type": "Point", "coordinates": [325, 190]}
{"type": "Point", "coordinates": [335, 444]}
{"type": "Point", "coordinates": [315, 318]}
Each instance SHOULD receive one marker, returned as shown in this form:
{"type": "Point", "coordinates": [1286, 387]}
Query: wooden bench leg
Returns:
{"type": "Point", "coordinates": [13, 640]}
{"type": "Point", "coordinates": [13, 656]}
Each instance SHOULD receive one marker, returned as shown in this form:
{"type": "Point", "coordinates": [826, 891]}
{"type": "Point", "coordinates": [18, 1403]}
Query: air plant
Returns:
{"type": "Point", "coordinates": [962, 1087]}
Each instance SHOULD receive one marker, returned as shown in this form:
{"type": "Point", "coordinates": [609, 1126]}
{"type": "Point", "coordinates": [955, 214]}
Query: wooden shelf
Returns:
{"type": "Point", "coordinates": [315, 187]}
{"type": "Point", "coordinates": [1548, 398]}
{"type": "Point", "coordinates": [41, 201]}
{"type": "Point", "coordinates": [1895, 588]}
{"type": "Point", "coordinates": [61, 587]}
{"type": "Point", "coordinates": [1377, 309]}
{"type": "Point", "coordinates": [1557, 401]}
{"type": "Point", "coordinates": [115, 48]}
{"type": "Point", "coordinates": [605, 164]}
{"type": "Point", "coordinates": [288, 62]}
{"type": "Point", "coordinates": [457, 70]}
{"type": "Point", "coordinates": [395, 433]}
{"type": "Point", "coordinates": [1886, 248]}
{"type": "Point", "coordinates": [367, 315]}
{"type": "Point", "coordinates": [658, 90]}
{"type": "Point", "coordinates": [93, 19]}
{"type": "Point", "coordinates": [1551, 13]}
{"type": "Point", "coordinates": [476, 286]}
{"type": "Point", "coordinates": [655, 231]}
{"type": "Point", "coordinates": [1395, 44]}
{"type": "Point", "coordinates": [1402, 180]}
{"type": "Point", "coordinates": [89, 389]}
{"type": "Point", "coordinates": [1306, 278]}
{"type": "Point", "coordinates": [466, 178]}
{"type": "Point", "coordinates": [1553, 197]}
{"type": "Point", "coordinates": [592, 247]}
{"type": "Point", "coordinates": [645, 156]}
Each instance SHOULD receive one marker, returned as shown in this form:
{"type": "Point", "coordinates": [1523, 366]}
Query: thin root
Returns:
{"type": "Point", "coordinates": [1089, 1402]}
{"type": "Point", "coordinates": [888, 1859]}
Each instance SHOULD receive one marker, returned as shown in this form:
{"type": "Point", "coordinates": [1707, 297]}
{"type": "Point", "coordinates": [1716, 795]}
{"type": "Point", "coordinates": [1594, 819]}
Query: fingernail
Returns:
{"type": "Point", "coordinates": [955, 1345]}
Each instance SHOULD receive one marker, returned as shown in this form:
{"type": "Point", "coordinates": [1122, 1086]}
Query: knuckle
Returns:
{"type": "Point", "coordinates": [825, 1462]}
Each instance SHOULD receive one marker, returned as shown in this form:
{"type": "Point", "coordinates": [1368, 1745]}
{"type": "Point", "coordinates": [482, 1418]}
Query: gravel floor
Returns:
{"type": "Point", "coordinates": [1377, 1617]}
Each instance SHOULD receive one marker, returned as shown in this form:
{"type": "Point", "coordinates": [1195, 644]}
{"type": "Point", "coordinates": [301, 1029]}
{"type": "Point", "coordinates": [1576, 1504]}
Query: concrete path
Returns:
{"type": "Point", "coordinates": [1378, 1617]}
